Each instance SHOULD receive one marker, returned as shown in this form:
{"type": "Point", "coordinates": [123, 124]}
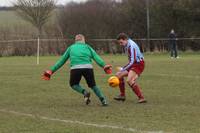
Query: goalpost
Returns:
{"type": "Point", "coordinates": [38, 51]}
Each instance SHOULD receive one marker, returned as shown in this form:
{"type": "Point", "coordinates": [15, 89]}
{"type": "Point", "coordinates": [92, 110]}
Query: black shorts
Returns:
{"type": "Point", "coordinates": [88, 74]}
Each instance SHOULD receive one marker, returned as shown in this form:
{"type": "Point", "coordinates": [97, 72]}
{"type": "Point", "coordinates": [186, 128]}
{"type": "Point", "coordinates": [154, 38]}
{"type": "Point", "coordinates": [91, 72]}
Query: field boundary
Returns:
{"type": "Point", "coordinates": [78, 122]}
{"type": "Point", "coordinates": [94, 39]}
{"type": "Point", "coordinates": [166, 75]}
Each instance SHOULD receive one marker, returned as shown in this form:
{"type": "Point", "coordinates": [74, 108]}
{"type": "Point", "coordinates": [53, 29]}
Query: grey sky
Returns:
{"type": "Point", "coordinates": [8, 2]}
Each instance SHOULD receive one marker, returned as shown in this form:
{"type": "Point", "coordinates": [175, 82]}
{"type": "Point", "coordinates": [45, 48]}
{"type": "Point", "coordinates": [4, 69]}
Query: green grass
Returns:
{"type": "Point", "coordinates": [170, 86]}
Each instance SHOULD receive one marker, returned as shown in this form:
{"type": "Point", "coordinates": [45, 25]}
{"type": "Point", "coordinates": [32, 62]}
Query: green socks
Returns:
{"type": "Point", "coordinates": [79, 89]}
{"type": "Point", "coordinates": [98, 92]}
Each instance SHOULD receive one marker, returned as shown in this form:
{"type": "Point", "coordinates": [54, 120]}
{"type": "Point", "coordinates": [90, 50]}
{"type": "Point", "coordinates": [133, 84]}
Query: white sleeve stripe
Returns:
{"type": "Point", "coordinates": [132, 58]}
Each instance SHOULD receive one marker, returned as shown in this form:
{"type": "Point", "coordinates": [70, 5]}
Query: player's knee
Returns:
{"type": "Point", "coordinates": [118, 75]}
{"type": "Point", "coordinates": [91, 87]}
{"type": "Point", "coordinates": [130, 82]}
{"type": "Point", "coordinates": [91, 84]}
{"type": "Point", "coordinates": [72, 84]}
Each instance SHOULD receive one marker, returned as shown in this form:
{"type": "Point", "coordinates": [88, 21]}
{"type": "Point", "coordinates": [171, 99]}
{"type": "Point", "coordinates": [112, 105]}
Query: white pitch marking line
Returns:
{"type": "Point", "coordinates": [78, 122]}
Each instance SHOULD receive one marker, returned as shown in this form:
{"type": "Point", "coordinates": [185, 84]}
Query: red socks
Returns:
{"type": "Point", "coordinates": [134, 87]}
{"type": "Point", "coordinates": [137, 91]}
{"type": "Point", "coordinates": [122, 87]}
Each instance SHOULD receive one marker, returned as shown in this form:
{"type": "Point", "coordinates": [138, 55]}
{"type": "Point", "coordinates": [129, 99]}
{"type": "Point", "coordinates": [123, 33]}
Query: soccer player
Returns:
{"type": "Point", "coordinates": [132, 70]}
{"type": "Point", "coordinates": [80, 55]}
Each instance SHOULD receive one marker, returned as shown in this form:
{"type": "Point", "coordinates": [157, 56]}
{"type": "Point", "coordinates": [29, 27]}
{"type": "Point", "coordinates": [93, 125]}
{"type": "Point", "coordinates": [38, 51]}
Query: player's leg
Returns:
{"type": "Point", "coordinates": [121, 96]}
{"type": "Point", "coordinates": [131, 80]}
{"type": "Point", "coordinates": [75, 77]}
{"type": "Point", "coordinates": [172, 50]}
{"type": "Point", "coordinates": [90, 79]}
{"type": "Point", "coordinates": [175, 51]}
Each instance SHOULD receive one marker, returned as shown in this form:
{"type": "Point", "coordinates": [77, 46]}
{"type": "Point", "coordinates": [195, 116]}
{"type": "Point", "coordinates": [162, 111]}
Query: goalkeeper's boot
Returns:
{"type": "Point", "coordinates": [120, 98]}
{"type": "Point", "coordinates": [142, 100]}
{"type": "Point", "coordinates": [87, 98]}
{"type": "Point", "coordinates": [103, 101]}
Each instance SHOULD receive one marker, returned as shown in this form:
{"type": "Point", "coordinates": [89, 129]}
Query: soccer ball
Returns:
{"type": "Point", "coordinates": [113, 81]}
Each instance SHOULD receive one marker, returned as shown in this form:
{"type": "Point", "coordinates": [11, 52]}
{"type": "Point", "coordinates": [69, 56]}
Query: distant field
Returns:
{"type": "Point", "coordinates": [11, 19]}
{"type": "Point", "coordinates": [30, 105]}
{"type": "Point", "coordinates": [8, 18]}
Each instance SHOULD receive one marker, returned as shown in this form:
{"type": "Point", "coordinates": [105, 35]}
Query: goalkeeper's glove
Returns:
{"type": "Point", "coordinates": [47, 75]}
{"type": "Point", "coordinates": [108, 69]}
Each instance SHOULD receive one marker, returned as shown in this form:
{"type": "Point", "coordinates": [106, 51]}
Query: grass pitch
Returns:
{"type": "Point", "coordinates": [171, 87]}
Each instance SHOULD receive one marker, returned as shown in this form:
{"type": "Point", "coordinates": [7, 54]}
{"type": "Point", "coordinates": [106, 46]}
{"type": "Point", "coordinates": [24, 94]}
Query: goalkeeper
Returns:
{"type": "Point", "coordinates": [80, 55]}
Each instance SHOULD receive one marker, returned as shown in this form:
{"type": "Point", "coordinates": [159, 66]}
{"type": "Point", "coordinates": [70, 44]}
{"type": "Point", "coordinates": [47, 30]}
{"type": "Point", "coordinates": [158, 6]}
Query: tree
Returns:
{"type": "Point", "coordinates": [94, 18]}
{"type": "Point", "coordinates": [37, 12]}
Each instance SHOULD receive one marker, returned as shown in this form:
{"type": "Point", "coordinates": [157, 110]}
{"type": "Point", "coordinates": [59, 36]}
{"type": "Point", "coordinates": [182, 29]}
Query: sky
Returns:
{"type": "Point", "coordinates": [9, 2]}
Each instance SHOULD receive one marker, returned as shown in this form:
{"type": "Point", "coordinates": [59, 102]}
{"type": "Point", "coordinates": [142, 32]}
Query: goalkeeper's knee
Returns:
{"type": "Point", "coordinates": [78, 88]}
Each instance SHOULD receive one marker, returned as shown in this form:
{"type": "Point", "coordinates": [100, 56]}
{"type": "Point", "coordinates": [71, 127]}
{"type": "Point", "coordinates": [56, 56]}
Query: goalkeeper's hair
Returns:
{"type": "Point", "coordinates": [122, 36]}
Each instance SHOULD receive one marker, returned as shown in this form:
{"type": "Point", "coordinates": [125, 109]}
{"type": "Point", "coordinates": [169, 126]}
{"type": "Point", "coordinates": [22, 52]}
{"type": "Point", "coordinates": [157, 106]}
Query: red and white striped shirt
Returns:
{"type": "Point", "coordinates": [134, 54]}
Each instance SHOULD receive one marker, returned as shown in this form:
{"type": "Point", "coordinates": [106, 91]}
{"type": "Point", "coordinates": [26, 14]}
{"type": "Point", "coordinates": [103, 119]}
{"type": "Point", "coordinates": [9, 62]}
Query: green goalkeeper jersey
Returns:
{"type": "Point", "coordinates": [80, 56]}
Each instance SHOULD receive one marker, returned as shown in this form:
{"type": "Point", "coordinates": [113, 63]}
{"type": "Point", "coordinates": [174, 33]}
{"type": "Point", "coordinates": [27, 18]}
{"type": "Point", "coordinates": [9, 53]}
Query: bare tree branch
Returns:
{"type": "Point", "coordinates": [37, 12]}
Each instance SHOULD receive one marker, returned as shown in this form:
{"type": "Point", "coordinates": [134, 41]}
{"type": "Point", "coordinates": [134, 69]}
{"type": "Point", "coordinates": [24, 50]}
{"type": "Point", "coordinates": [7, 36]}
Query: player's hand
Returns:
{"type": "Point", "coordinates": [108, 69]}
{"type": "Point", "coordinates": [47, 75]}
